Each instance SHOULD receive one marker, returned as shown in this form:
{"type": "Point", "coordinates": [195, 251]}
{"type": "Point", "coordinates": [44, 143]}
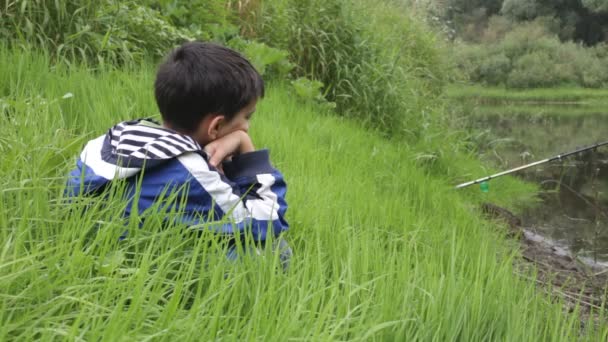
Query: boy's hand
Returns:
{"type": "Point", "coordinates": [233, 143]}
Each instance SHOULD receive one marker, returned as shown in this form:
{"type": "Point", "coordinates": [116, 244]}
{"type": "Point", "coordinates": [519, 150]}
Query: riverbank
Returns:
{"type": "Point", "coordinates": [562, 95]}
{"type": "Point", "coordinates": [578, 282]}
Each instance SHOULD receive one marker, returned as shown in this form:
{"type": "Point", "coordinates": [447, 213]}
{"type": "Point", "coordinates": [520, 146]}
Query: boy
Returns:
{"type": "Point", "coordinates": [206, 94]}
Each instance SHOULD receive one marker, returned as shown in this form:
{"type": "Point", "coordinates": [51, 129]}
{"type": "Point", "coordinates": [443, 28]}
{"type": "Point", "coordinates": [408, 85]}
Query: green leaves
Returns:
{"type": "Point", "coordinates": [106, 32]}
{"type": "Point", "coordinates": [307, 89]}
{"type": "Point", "coordinates": [596, 5]}
{"type": "Point", "coordinates": [310, 90]}
{"type": "Point", "coordinates": [521, 9]}
{"type": "Point", "coordinates": [268, 61]}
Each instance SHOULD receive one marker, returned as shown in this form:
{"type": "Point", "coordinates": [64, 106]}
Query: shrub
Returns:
{"type": "Point", "coordinates": [268, 61]}
{"type": "Point", "coordinates": [529, 56]}
{"type": "Point", "coordinates": [483, 64]}
{"type": "Point", "coordinates": [309, 90]}
{"type": "Point", "coordinates": [53, 25]}
{"type": "Point", "coordinates": [600, 50]}
{"type": "Point", "coordinates": [498, 27]}
{"type": "Point", "coordinates": [531, 70]}
{"type": "Point", "coordinates": [528, 38]}
{"type": "Point", "coordinates": [521, 9]}
{"type": "Point", "coordinates": [133, 33]}
{"type": "Point", "coordinates": [472, 24]}
{"type": "Point", "coordinates": [595, 74]}
{"type": "Point", "coordinates": [494, 69]}
{"type": "Point", "coordinates": [91, 31]}
{"type": "Point", "coordinates": [467, 58]}
{"type": "Point", "coordinates": [210, 17]}
{"type": "Point", "coordinates": [371, 70]}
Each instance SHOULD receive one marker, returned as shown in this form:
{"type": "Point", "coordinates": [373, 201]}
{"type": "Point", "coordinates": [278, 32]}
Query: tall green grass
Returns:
{"type": "Point", "coordinates": [382, 249]}
{"type": "Point", "coordinates": [97, 32]}
{"type": "Point", "coordinates": [378, 63]}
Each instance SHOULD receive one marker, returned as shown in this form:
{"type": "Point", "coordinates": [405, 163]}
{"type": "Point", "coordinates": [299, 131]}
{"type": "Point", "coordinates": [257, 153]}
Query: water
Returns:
{"type": "Point", "coordinates": [574, 207]}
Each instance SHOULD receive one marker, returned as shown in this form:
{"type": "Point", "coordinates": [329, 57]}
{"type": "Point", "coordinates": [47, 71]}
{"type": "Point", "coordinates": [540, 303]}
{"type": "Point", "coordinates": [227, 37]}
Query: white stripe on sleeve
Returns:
{"type": "Point", "coordinates": [211, 181]}
{"type": "Point", "coordinates": [132, 135]}
{"type": "Point", "coordinates": [156, 152]}
{"type": "Point", "coordinates": [266, 208]}
{"type": "Point", "coordinates": [177, 143]}
{"type": "Point", "coordinates": [172, 149]}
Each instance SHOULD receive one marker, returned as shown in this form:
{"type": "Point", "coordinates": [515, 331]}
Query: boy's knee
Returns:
{"type": "Point", "coordinates": [285, 253]}
{"type": "Point", "coordinates": [280, 246]}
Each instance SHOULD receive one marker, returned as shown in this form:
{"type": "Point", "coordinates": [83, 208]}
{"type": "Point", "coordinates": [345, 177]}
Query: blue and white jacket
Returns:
{"type": "Point", "coordinates": [158, 160]}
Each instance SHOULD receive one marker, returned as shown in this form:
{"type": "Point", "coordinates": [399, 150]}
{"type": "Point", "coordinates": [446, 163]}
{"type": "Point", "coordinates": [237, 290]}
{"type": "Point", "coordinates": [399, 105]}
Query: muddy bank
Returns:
{"type": "Point", "coordinates": [575, 280]}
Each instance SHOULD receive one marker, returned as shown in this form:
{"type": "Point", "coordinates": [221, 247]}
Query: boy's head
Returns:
{"type": "Point", "coordinates": [205, 90]}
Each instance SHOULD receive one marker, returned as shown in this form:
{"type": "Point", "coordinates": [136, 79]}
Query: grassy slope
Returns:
{"type": "Point", "coordinates": [382, 249]}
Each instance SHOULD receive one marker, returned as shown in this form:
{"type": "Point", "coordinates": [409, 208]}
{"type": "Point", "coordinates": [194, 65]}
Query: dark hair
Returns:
{"type": "Point", "coordinates": [199, 78]}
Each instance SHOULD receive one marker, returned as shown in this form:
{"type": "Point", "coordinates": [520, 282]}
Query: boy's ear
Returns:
{"type": "Point", "coordinates": [216, 123]}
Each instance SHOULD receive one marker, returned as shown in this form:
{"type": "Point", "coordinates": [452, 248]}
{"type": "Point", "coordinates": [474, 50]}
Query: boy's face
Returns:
{"type": "Point", "coordinates": [240, 122]}
{"type": "Point", "coordinates": [214, 127]}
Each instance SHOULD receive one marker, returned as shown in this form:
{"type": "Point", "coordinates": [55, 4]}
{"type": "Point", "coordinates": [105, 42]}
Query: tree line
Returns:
{"type": "Point", "coordinates": [584, 21]}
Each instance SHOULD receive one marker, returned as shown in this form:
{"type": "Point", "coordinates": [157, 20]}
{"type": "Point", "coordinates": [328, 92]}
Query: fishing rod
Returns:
{"type": "Point", "coordinates": [523, 167]}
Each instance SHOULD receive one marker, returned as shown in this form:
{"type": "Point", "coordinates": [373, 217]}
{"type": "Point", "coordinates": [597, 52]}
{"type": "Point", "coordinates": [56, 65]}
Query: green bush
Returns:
{"type": "Point", "coordinates": [595, 74]}
{"type": "Point", "coordinates": [483, 64]}
{"type": "Point", "coordinates": [467, 59]}
{"type": "Point", "coordinates": [375, 70]}
{"type": "Point", "coordinates": [311, 91]}
{"type": "Point", "coordinates": [494, 69]}
{"type": "Point", "coordinates": [528, 38]}
{"type": "Point", "coordinates": [307, 89]}
{"type": "Point", "coordinates": [135, 32]}
{"type": "Point", "coordinates": [532, 70]}
{"type": "Point", "coordinates": [104, 32]}
{"type": "Point", "coordinates": [521, 9]}
{"type": "Point", "coordinates": [54, 25]}
{"type": "Point", "coordinates": [497, 29]}
{"type": "Point", "coordinates": [212, 18]}
{"type": "Point", "coordinates": [269, 62]}
{"type": "Point", "coordinates": [600, 51]}
{"type": "Point", "coordinates": [529, 56]}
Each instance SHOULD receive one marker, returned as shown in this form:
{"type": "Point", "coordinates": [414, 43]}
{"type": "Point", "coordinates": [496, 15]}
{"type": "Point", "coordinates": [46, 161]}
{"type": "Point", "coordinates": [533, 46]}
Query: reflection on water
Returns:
{"type": "Point", "coordinates": [574, 210]}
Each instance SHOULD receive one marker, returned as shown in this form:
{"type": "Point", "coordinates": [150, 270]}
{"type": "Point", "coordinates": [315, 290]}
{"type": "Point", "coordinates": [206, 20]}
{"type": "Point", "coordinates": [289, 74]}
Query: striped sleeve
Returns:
{"type": "Point", "coordinates": [253, 195]}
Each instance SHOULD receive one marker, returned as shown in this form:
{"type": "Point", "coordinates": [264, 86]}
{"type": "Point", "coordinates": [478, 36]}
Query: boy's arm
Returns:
{"type": "Point", "coordinates": [261, 186]}
{"type": "Point", "coordinates": [83, 181]}
{"type": "Point", "coordinates": [252, 192]}
{"type": "Point", "coordinates": [237, 142]}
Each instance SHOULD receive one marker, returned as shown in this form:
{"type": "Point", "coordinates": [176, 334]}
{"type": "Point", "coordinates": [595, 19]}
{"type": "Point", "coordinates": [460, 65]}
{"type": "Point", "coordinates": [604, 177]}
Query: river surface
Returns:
{"type": "Point", "coordinates": [574, 207]}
